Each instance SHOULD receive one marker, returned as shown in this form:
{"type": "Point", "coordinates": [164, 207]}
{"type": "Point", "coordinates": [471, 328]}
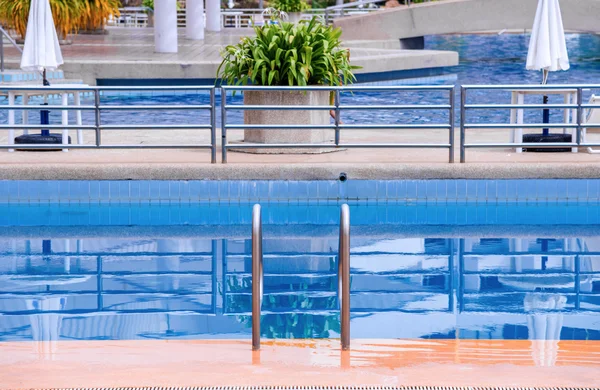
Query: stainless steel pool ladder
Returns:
{"type": "Point", "coordinates": [343, 275]}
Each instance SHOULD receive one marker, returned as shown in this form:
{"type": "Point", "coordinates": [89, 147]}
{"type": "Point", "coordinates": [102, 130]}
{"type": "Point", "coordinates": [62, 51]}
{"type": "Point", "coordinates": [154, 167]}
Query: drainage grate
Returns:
{"type": "Point", "coordinates": [333, 388]}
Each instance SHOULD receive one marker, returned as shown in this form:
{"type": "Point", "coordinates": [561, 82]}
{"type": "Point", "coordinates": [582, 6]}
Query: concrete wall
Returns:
{"type": "Point", "coordinates": [453, 16]}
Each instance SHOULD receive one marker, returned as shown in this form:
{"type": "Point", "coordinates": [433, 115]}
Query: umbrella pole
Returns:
{"type": "Point", "coordinates": [546, 112]}
{"type": "Point", "coordinates": [45, 80]}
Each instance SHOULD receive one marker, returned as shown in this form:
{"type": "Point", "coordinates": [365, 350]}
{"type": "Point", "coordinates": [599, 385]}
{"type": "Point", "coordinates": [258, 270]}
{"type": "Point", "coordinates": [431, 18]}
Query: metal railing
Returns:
{"type": "Point", "coordinates": [98, 126]}
{"type": "Point", "coordinates": [349, 9]}
{"type": "Point", "coordinates": [6, 35]}
{"type": "Point", "coordinates": [578, 125]}
{"type": "Point", "coordinates": [343, 276]}
{"type": "Point", "coordinates": [337, 126]}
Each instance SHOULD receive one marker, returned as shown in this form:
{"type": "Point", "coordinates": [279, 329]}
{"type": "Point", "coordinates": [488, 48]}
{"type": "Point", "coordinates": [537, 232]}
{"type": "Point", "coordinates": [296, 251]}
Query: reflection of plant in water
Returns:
{"type": "Point", "coordinates": [302, 324]}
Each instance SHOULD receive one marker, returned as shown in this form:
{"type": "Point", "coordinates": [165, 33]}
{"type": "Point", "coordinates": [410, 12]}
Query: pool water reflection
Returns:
{"type": "Point", "coordinates": [110, 287]}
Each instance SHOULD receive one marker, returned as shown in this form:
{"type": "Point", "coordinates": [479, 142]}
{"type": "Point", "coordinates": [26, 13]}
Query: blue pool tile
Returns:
{"type": "Point", "coordinates": [432, 191]}
{"type": "Point", "coordinates": [164, 191]}
{"type": "Point", "coordinates": [234, 191]}
{"type": "Point", "coordinates": [482, 195]}
{"type": "Point", "coordinates": [421, 190]}
{"type": "Point", "coordinates": [224, 191]}
{"type": "Point", "coordinates": [4, 191]}
{"type": "Point", "coordinates": [94, 191]}
{"type": "Point", "coordinates": [103, 191]}
{"type": "Point", "coordinates": [262, 188]}
{"type": "Point", "coordinates": [391, 190]}
{"type": "Point", "coordinates": [461, 190]}
{"type": "Point", "coordinates": [114, 191]}
{"type": "Point", "coordinates": [401, 191]}
{"type": "Point", "coordinates": [174, 194]}
{"type": "Point", "coordinates": [442, 190]}
{"type": "Point", "coordinates": [212, 194]}
{"type": "Point", "coordinates": [79, 191]}
{"type": "Point", "coordinates": [323, 190]}
{"type": "Point", "coordinates": [542, 189]}
{"type": "Point", "coordinates": [302, 191]}
{"type": "Point", "coordinates": [577, 189]}
{"type": "Point", "coordinates": [194, 190]}
{"type": "Point", "coordinates": [63, 191]}
{"type": "Point", "coordinates": [471, 190]}
{"type": "Point", "coordinates": [252, 191]}
{"type": "Point", "coordinates": [352, 189]}
{"type": "Point", "coordinates": [27, 191]}
{"type": "Point", "coordinates": [333, 190]}
{"type": "Point", "coordinates": [511, 190]}
{"type": "Point", "coordinates": [492, 191]}
{"type": "Point", "coordinates": [134, 190]}
{"type": "Point", "coordinates": [561, 189]}
{"type": "Point", "coordinates": [154, 190]}
{"type": "Point", "coordinates": [451, 190]}
{"type": "Point", "coordinates": [367, 190]}
{"type": "Point", "coordinates": [411, 190]}
{"type": "Point", "coordinates": [593, 187]}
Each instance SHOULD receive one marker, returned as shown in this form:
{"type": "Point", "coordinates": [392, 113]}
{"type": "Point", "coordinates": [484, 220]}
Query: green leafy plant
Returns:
{"type": "Point", "coordinates": [96, 12]}
{"type": "Point", "coordinates": [306, 53]}
{"type": "Point", "coordinates": [69, 15]}
{"type": "Point", "coordinates": [150, 4]}
{"type": "Point", "coordinates": [289, 5]}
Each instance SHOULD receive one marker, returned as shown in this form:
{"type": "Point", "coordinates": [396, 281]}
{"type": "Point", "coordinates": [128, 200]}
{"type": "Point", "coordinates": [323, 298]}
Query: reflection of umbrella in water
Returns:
{"type": "Point", "coordinates": [547, 52]}
{"type": "Point", "coordinates": [544, 323]}
{"type": "Point", "coordinates": [45, 327]}
{"type": "Point", "coordinates": [46, 280]}
{"type": "Point", "coordinates": [533, 283]}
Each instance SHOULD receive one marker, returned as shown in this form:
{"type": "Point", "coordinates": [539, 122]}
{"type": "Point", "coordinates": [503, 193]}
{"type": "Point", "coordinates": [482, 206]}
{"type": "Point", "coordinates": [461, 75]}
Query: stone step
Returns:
{"type": "Point", "coordinates": [34, 83]}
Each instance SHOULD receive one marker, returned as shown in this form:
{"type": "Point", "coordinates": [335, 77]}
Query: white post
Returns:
{"type": "Point", "coordinates": [11, 120]}
{"type": "Point", "coordinates": [213, 15]}
{"type": "Point", "coordinates": [194, 19]}
{"type": "Point", "coordinates": [165, 26]}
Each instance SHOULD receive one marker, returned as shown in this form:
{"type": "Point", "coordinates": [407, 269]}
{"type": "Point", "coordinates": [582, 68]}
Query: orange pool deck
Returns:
{"type": "Point", "coordinates": [67, 364]}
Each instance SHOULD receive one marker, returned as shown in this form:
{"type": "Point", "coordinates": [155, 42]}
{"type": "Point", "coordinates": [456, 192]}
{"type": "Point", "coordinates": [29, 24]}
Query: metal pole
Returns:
{"type": "Point", "coordinates": [97, 112]}
{"type": "Point", "coordinates": [223, 126]}
{"type": "Point", "coordinates": [336, 102]}
{"type": "Point", "coordinates": [579, 114]}
{"type": "Point", "coordinates": [463, 98]}
{"type": "Point", "coordinates": [257, 275]}
{"type": "Point", "coordinates": [344, 276]}
{"type": "Point", "coordinates": [1, 53]}
{"type": "Point", "coordinates": [213, 127]}
{"type": "Point", "coordinates": [451, 135]}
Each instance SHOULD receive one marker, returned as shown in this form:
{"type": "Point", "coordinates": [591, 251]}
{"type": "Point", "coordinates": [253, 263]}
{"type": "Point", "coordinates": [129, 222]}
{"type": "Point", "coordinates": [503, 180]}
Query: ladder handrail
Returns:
{"type": "Point", "coordinates": [257, 275]}
{"type": "Point", "coordinates": [343, 275]}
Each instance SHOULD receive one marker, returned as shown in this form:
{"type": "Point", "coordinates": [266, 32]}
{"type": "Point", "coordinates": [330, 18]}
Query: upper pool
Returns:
{"type": "Point", "coordinates": [472, 259]}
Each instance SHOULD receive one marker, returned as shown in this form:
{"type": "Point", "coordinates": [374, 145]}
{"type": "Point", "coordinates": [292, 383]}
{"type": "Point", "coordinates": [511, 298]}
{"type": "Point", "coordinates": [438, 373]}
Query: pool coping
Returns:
{"type": "Point", "coordinates": [332, 171]}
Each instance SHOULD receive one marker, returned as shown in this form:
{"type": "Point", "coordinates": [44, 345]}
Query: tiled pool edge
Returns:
{"type": "Point", "coordinates": [285, 171]}
{"type": "Point", "coordinates": [300, 191]}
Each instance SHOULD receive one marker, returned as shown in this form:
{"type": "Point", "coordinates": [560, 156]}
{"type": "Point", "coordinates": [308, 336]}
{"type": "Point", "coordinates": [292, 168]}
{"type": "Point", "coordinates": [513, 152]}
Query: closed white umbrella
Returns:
{"type": "Point", "coordinates": [547, 51]}
{"type": "Point", "coordinates": [42, 50]}
{"type": "Point", "coordinates": [547, 46]}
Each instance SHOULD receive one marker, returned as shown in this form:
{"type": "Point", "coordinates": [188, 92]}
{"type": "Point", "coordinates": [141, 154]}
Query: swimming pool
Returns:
{"type": "Point", "coordinates": [461, 259]}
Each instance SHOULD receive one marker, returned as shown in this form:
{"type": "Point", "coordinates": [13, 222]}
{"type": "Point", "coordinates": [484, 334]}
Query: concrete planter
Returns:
{"type": "Point", "coordinates": [294, 17]}
{"type": "Point", "coordinates": [287, 117]}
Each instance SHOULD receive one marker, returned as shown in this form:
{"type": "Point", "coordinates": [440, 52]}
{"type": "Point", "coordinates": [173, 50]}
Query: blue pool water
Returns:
{"type": "Point", "coordinates": [470, 264]}
{"type": "Point", "coordinates": [484, 59]}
